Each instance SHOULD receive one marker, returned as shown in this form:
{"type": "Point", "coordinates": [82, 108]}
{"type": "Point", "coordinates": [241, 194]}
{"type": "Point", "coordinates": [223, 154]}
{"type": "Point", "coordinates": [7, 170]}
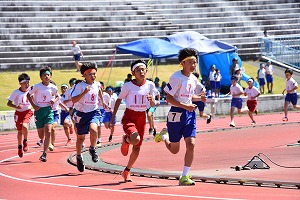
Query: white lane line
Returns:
{"type": "Point", "coordinates": [105, 189]}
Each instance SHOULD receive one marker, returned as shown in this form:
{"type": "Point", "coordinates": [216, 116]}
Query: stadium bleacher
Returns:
{"type": "Point", "coordinates": [38, 32]}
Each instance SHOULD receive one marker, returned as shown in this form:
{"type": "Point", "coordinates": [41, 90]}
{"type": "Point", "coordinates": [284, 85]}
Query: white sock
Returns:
{"type": "Point", "coordinates": [186, 170]}
{"type": "Point", "coordinates": [165, 136]}
{"type": "Point", "coordinates": [99, 140]}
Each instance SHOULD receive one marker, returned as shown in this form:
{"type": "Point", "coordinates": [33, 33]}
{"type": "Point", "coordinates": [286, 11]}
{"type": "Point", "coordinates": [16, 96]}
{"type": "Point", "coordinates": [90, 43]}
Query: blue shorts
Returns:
{"type": "Point", "coordinates": [77, 57]}
{"type": "Point", "coordinates": [83, 121]}
{"type": "Point", "coordinates": [107, 117]}
{"type": "Point", "coordinates": [218, 85]}
{"type": "Point", "coordinates": [237, 102]}
{"type": "Point", "coordinates": [293, 98]}
{"type": "Point", "coordinates": [181, 123]}
{"type": "Point", "coordinates": [262, 81]}
{"type": "Point", "coordinates": [64, 115]}
{"type": "Point", "coordinates": [102, 115]}
{"type": "Point", "coordinates": [200, 105]}
{"type": "Point", "coordinates": [269, 78]}
{"type": "Point", "coordinates": [151, 109]}
{"type": "Point", "coordinates": [212, 85]}
{"type": "Point", "coordinates": [56, 116]}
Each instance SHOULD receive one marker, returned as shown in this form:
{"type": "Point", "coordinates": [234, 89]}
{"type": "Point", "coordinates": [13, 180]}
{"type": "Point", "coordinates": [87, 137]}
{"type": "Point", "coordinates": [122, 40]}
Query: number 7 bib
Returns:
{"type": "Point", "coordinates": [174, 116]}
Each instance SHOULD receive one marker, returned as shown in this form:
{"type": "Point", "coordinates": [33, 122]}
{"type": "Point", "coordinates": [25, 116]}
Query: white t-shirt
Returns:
{"type": "Point", "coordinates": [212, 75]}
{"type": "Point", "coordinates": [181, 87]}
{"type": "Point", "coordinates": [135, 96]}
{"type": "Point", "coordinates": [269, 69]}
{"type": "Point", "coordinates": [19, 98]}
{"type": "Point", "coordinates": [89, 102]}
{"type": "Point", "coordinates": [261, 73]}
{"type": "Point", "coordinates": [251, 93]}
{"type": "Point", "coordinates": [199, 88]}
{"type": "Point", "coordinates": [291, 83]}
{"type": "Point", "coordinates": [42, 95]}
{"type": "Point", "coordinates": [155, 93]}
{"type": "Point", "coordinates": [67, 96]}
{"type": "Point", "coordinates": [76, 50]}
{"type": "Point", "coordinates": [234, 90]}
{"type": "Point", "coordinates": [110, 102]}
{"type": "Point", "coordinates": [56, 104]}
{"type": "Point", "coordinates": [217, 77]}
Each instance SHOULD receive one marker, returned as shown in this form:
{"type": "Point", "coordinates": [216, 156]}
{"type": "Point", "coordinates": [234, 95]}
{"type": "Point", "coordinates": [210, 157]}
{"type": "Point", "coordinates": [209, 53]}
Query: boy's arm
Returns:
{"type": "Point", "coordinates": [189, 107]}
{"type": "Point", "coordinates": [78, 97]}
{"type": "Point", "coordinates": [199, 97]}
{"type": "Point", "coordinates": [10, 104]}
{"type": "Point", "coordinates": [116, 107]}
{"type": "Point", "coordinates": [29, 97]}
{"type": "Point", "coordinates": [158, 99]}
{"type": "Point", "coordinates": [102, 99]}
{"type": "Point", "coordinates": [295, 88]}
{"type": "Point", "coordinates": [64, 106]}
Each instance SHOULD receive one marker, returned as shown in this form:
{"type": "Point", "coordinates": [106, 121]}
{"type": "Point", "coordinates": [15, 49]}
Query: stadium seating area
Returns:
{"type": "Point", "coordinates": [37, 32]}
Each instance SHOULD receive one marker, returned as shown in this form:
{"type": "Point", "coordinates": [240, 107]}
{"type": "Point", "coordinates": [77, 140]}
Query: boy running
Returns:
{"type": "Point", "coordinates": [18, 100]}
{"type": "Point", "coordinates": [181, 120]}
{"type": "Point", "coordinates": [136, 93]}
{"type": "Point", "coordinates": [42, 96]}
{"type": "Point", "coordinates": [237, 102]}
{"type": "Point", "coordinates": [291, 93]}
{"type": "Point", "coordinates": [252, 93]}
{"type": "Point", "coordinates": [86, 95]}
{"type": "Point", "coordinates": [110, 101]}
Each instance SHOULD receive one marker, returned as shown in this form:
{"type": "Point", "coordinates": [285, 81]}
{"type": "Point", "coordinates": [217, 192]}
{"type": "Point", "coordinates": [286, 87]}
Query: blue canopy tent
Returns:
{"type": "Point", "coordinates": [210, 52]}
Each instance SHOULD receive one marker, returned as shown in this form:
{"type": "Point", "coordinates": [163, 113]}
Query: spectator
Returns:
{"type": "Point", "coordinates": [235, 66]}
{"type": "Point", "coordinates": [269, 77]}
{"type": "Point", "coordinates": [261, 73]}
{"type": "Point", "coordinates": [267, 43]}
{"type": "Point", "coordinates": [218, 78]}
{"type": "Point", "coordinates": [76, 53]}
{"type": "Point", "coordinates": [212, 78]}
{"type": "Point", "coordinates": [163, 93]}
{"type": "Point", "coordinates": [129, 78]}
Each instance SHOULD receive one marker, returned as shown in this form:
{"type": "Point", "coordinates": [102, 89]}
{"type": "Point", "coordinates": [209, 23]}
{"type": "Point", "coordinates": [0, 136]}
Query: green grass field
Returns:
{"type": "Point", "coordinates": [9, 80]}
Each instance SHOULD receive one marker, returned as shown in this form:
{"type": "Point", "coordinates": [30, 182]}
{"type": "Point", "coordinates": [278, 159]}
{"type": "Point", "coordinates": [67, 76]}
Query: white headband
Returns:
{"type": "Point", "coordinates": [250, 80]}
{"type": "Point", "coordinates": [138, 64]}
{"type": "Point", "coordinates": [23, 81]}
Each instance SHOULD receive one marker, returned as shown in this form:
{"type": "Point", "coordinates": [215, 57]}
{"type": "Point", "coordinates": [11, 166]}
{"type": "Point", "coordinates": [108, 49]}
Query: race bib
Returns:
{"type": "Point", "coordinates": [174, 116]}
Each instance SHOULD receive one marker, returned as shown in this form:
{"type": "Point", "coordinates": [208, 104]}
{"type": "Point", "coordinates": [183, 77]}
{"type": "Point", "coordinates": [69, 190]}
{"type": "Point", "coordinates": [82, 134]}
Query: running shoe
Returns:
{"type": "Point", "coordinates": [51, 147]}
{"type": "Point", "coordinates": [232, 124]}
{"type": "Point", "coordinates": [298, 141]}
{"type": "Point", "coordinates": [126, 175]}
{"type": "Point", "coordinates": [20, 152]}
{"type": "Point", "coordinates": [154, 132]}
{"type": "Point", "coordinates": [285, 119]}
{"type": "Point", "coordinates": [69, 142]}
{"type": "Point", "coordinates": [94, 155]}
{"type": "Point", "coordinates": [99, 144]}
{"type": "Point", "coordinates": [40, 143]}
{"type": "Point", "coordinates": [25, 146]}
{"type": "Point", "coordinates": [209, 119]}
{"type": "Point", "coordinates": [158, 137]}
{"type": "Point", "coordinates": [253, 123]}
{"type": "Point", "coordinates": [124, 146]}
{"type": "Point", "coordinates": [80, 165]}
{"type": "Point", "coordinates": [110, 138]}
{"type": "Point", "coordinates": [186, 180]}
{"type": "Point", "coordinates": [151, 131]}
{"type": "Point", "coordinates": [43, 157]}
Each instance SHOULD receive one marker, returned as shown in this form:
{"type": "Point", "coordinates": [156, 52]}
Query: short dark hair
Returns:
{"type": "Point", "coordinates": [290, 71]}
{"type": "Point", "coordinates": [86, 66]}
{"type": "Point", "coordinates": [136, 62]}
{"type": "Point", "coordinates": [23, 77]}
{"type": "Point", "coordinates": [72, 81]}
{"type": "Point", "coordinates": [196, 74]}
{"type": "Point", "coordinates": [186, 52]}
{"type": "Point", "coordinates": [44, 69]}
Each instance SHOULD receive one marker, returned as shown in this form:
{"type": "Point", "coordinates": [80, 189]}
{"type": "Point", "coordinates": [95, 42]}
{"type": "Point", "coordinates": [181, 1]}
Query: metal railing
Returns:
{"type": "Point", "coordinates": [285, 49]}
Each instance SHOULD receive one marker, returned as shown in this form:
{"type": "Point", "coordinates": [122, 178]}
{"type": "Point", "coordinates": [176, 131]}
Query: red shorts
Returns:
{"type": "Point", "coordinates": [252, 105]}
{"type": "Point", "coordinates": [134, 121]}
{"type": "Point", "coordinates": [22, 117]}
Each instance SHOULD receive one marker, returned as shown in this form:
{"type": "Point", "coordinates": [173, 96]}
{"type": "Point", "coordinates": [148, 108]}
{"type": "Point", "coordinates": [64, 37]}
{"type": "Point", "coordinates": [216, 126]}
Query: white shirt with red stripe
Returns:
{"type": "Point", "coordinates": [251, 92]}
{"type": "Point", "coordinates": [42, 95]}
{"type": "Point", "coordinates": [89, 102]}
{"type": "Point", "coordinates": [136, 96]}
{"type": "Point", "coordinates": [19, 98]}
{"type": "Point", "coordinates": [181, 87]}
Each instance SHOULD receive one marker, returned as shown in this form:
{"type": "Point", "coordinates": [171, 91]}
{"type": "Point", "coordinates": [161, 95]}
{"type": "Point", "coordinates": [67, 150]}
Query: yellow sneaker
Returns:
{"type": "Point", "coordinates": [158, 137]}
{"type": "Point", "coordinates": [51, 147]}
{"type": "Point", "coordinates": [186, 180]}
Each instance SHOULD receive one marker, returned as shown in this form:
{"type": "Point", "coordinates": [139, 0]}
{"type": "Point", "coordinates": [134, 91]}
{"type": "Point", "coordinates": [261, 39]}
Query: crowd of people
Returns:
{"type": "Point", "coordinates": [86, 104]}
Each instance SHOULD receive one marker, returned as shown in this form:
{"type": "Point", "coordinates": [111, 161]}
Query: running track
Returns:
{"type": "Point", "coordinates": [28, 178]}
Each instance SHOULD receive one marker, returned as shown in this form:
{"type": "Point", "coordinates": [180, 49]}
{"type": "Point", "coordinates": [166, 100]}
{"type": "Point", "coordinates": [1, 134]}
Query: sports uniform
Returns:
{"type": "Point", "coordinates": [237, 100]}
{"type": "Point", "coordinates": [198, 90]}
{"type": "Point", "coordinates": [251, 103]}
{"type": "Point", "coordinates": [180, 122]}
{"type": "Point", "coordinates": [291, 96]}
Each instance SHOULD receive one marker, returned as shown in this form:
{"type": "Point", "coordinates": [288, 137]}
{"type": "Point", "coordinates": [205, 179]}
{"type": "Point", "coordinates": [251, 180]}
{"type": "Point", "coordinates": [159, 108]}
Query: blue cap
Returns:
{"type": "Point", "coordinates": [234, 78]}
